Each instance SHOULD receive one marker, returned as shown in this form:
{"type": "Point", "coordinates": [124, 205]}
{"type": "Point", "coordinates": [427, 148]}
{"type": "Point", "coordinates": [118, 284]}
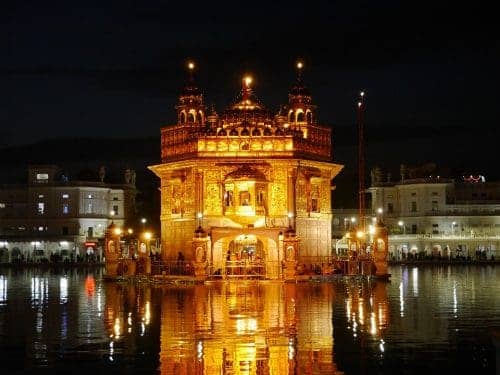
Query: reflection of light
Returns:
{"type": "Point", "coordinates": [199, 350]}
{"type": "Point", "coordinates": [381, 345]}
{"type": "Point", "coordinates": [90, 285]}
{"type": "Point", "coordinates": [401, 300]}
{"type": "Point", "coordinates": [129, 319]}
{"type": "Point", "coordinates": [147, 313]}
{"type": "Point", "coordinates": [63, 290]}
{"type": "Point", "coordinates": [3, 289]}
{"type": "Point", "coordinates": [291, 349]}
{"type": "Point", "coordinates": [373, 326]}
{"type": "Point", "coordinates": [415, 281]}
{"type": "Point", "coordinates": [455, 304]}
{"type": "Point", "coordinates": [361, 312]}
{"type": "Point", "coordinates": [348, 303]}
{"type": "Point", "coordinates": [117, 327]}
{"type": "Point", "coordinates": [143, 329]}
{"type": "Point", "coordinates": [245, 325]}
{"type": "Point", "coordinates": [39, 290]}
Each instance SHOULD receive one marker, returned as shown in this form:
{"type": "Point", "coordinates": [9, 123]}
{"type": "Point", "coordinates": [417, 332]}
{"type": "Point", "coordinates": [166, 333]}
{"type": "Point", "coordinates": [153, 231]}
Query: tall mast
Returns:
{"type": "Point", "coordinates": [361, 160]}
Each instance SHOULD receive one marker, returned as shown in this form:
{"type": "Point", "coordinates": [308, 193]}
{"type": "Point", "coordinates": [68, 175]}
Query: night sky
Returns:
{"type": "Point", "coordinates": [114, 69]}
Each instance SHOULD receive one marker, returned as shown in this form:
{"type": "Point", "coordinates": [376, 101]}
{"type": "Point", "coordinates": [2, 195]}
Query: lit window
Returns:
{"type": "Point", "coordinates": [115, 210]}
{"type": "Point", "coordinates": [41, 196]}
{"type": "Point", "coordinates": [2, 205]}
{"type": "Point", "coordinates": [89, 196]}
{"type": "Point", "coordinates": [42, 176]}
{"type": "Point", "coordinates": [65, 196]}
{"type": "Point", "coordinates": [65, 208]}
{"type": "Point", "coordinates": [41, 208]}
{"type": "Point", "coordinates": [40, 229]}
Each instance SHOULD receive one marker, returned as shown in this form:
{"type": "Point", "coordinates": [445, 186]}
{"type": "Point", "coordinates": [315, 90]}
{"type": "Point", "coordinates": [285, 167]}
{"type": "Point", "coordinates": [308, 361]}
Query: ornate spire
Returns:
{"type": "Point", "coordinates": [301, 111]}
{"type": "Point", "coordinates": [190, 107]}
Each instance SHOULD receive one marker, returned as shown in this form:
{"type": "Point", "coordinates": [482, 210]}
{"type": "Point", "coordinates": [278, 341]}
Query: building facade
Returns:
{"type": "Point", "coordinates": [244, 176]}
{"type": "Point", "coordinates": [52, 215]}
{"type": "Point", "coordinates": [431, 215]}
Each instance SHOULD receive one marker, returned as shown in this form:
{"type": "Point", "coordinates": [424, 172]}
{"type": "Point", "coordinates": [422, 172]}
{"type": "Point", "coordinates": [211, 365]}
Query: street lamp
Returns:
{"type": "Point", "coordinates": [143, 221]}
{"type": "Point", "coordinates": [453, 228]}
{"type": "Point", "coordinates": [199, 215]}
{"type": "Point", "coordinates": [402, 225]}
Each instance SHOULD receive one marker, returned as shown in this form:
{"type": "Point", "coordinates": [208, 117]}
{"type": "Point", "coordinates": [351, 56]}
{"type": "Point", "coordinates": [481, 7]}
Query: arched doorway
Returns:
{"type": "Point", "coordinates": [248, 253]}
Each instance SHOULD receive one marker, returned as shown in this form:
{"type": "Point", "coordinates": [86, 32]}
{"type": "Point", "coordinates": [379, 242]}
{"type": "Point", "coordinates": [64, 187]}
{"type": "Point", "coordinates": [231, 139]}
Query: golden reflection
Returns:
{"type": "Point", "coordinates": [244, 327]}
{"type": "Point", "coordinates": [367, 299]}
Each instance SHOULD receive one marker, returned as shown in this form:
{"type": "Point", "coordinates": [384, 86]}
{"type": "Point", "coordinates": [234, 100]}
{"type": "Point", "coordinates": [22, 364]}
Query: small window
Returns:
{"type": "Point", "coordinates": [42, 176]}
{"type": "Point", "coordinates": [65, 196]}
{"type": "Point", "coordinates": [41, 208]}
{"type": "Point", "coordinates": [65, 231]}
{"type": "Point", "coordinates": [413, 206]}
{"type": "Point", "coordinates": [434, 205]}
{"type": "Point", "coordinates": [40, 229]}
{"type": "Point", "coordinates": [65, 208]}
{"type": "Point", "coordinates": [435, 225]}
{"type": "Point", "coordinates": [2, 205]}
{"type": "Point", "coordinates": [115, 210]}
{"type": "Point", "coordinates": [115, 198]}
{"type": "Point", "coordinates": [41, 196]}
{"type": "Point", "coordinates": [435, 193]}
{"type": "Point", "coordinates": [390, 208]}
{"type": "Point", "coordinates": [413, 194]}
{"type": "Point", "coordinates": [89, 196]}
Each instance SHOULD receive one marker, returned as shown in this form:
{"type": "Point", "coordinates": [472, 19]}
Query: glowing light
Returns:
{"type": "Point", "coordinates": [360, 234]}
{"type": "Point", "coordinates": [200, 215]}
{"type": "Point", "coordinates": [118, 231]}
{"type": "Point", "coordinates": [247, 80]}
{"type": "Point", "coordinates": [300, 64]}
{"type": "Point", "coordinates": [190, 65]}
{"type": "Point", "coordinates": [371, 229]}
{"type": "Point", "coordinates": [362, 93]}
{"type": "Point", "coordinates": [147, 235]}
{"type": "Point", "coordinates": [380, 210]}
{"type": "Point", "coordinates": [353, 219]}
{"type": "Point", "coordinates": [130, 231]}
{"type": "Point", "coordinates": [400, 223]}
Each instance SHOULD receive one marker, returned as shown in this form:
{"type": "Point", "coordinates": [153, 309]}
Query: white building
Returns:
{"type": "Point", "coordinates": [53, 215]}
{"type": "Point", "coordinates": [438, 216]}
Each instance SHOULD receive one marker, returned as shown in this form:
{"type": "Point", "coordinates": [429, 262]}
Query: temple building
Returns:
{"type": "Point", "coordinates": [246, 184]}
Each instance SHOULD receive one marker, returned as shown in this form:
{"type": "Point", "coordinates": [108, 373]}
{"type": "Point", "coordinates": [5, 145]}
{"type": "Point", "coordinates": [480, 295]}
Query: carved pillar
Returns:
{"type": "Point", "coordinates": [291, 249]}
{"type": "Point", "coordinates": [200, 249]}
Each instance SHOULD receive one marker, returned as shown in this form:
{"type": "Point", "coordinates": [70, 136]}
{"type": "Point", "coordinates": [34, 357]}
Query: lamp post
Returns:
{"type": "Point", "coordinates": [290, 216]}
{"type": "Point", "coordinates": [453, 228]}
{"type": "Point", "coordinates": [402, 225]}
{"type": "Point", "coordinates": [143, 221]}
{"type": "Point", "coordinates": [199, 215]}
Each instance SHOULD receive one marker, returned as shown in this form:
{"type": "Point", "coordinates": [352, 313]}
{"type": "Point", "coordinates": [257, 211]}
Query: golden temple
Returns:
{"type": "Point", "coordinates": [246, 185]}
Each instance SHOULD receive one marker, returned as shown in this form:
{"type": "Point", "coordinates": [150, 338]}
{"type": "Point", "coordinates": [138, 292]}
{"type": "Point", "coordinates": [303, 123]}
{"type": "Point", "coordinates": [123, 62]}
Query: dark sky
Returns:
{"type": "Point", "coordinates": [114, 68]}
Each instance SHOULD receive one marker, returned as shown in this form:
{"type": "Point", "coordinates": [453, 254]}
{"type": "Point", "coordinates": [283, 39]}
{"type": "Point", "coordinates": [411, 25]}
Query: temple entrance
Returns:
{"type": "Point", "coordinates": [245, 253]}
{"type": "Point", "coordinates": [245, 257]}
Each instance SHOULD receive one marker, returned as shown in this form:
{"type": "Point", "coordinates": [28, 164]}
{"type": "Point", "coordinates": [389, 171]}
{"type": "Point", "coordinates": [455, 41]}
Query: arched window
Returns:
{"type": "Point", "coordinates": [183, 117]}
{"type": "Point", "coordinates": [300, 116]}
{"type": "Point", "coordinates": [309, 117]}
{"type": "Point", "coordinates": [268, 132]}
{"type": "Point", "coordinates": [233, 132]}
{"type": "Point", "coordinates": [290, 116]}
{"type": "Point", "coordinates": [256, 132]}
{"type": "Point", "coordinates": [191, 117]}
{"type": "Point", "coordinates": [222, 133]}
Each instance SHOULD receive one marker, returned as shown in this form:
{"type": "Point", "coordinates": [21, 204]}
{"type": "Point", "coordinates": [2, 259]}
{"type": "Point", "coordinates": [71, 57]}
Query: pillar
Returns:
{"type": "Point", "coordinates": [199, 248]}
{"type": "Point", "coordinates": [291, 249]}
{"type": "Point", "coordinates": [380, 250]}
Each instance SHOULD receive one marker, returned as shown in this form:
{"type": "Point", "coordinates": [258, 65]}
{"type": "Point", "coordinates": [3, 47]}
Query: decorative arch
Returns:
{"type": "Point", "coordinates": [183, 117]}
{"type": "Point", "coordinates": [309, 116]}
{"type": "Point", "coordinates": [299, 115]}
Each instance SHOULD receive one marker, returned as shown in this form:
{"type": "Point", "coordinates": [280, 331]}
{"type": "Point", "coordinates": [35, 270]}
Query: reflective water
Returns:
{"type": "Point", "coordinates": [432, 319]}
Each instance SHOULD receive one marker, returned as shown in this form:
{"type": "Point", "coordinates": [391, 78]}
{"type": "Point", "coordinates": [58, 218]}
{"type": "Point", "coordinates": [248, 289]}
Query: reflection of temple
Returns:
{"type": "Point", "coordinates": [235, 328]}
{"type": "Point", "coordinates": [243, 176]}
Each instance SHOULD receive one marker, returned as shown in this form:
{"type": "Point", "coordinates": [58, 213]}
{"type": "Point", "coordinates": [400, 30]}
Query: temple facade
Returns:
{"type": "Point", "coordinates": [246, 184]}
